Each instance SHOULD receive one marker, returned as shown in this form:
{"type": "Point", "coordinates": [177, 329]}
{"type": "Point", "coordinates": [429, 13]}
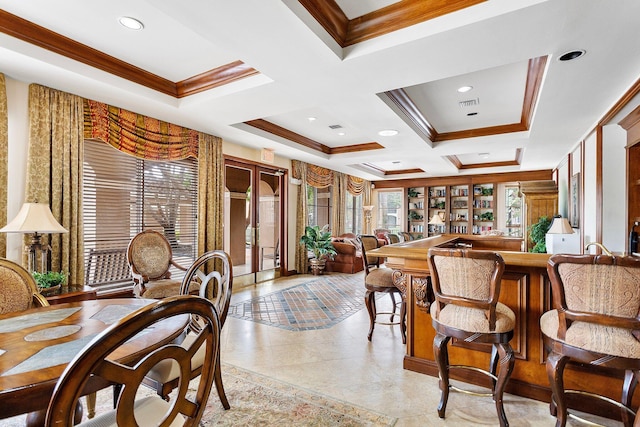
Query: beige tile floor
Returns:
{"type": "Point", "coordinates": [341, 363]}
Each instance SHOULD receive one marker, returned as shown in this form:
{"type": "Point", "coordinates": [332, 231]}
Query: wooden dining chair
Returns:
{"type": "Point", "coordinates": [212, 272]}
{"type": "Point", "coordinates": [380, 280]}
{"type": "Point", "coordinates": [93, 361]}
{"type": "Point", "coordinates": [150, 257]}
{"type": "Point", "coordinates": [18, 289]}
{"type": "Point", "coordinates": [466, 284]}
{"type": "Point", "coordinates": [594, 323]}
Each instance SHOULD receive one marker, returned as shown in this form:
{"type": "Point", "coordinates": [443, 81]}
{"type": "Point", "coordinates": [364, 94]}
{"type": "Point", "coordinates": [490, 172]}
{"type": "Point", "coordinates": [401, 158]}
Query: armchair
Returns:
{"type": "Point", "coordinates": [349, 255]}
{"type": "Point", "coordinates": [149, 256]}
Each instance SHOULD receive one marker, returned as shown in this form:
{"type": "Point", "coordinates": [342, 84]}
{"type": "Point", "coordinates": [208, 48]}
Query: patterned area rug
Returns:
{"type": "Point", "coordinates": [257, 400]}
{"type": "Point", "coordinates": [318, 304]}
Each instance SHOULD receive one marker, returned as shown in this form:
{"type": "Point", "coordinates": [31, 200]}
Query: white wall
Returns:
{"type": "Point", "coordinates": [614, 198]}
{"type": "Point", "coordinates": [17, 108]}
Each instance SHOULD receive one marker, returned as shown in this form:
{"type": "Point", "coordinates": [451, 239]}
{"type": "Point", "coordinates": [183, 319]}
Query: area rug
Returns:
{"type": "Point", "coordinates": [257, 400]}
{"type": "Point", "coordinates": [317, 304]}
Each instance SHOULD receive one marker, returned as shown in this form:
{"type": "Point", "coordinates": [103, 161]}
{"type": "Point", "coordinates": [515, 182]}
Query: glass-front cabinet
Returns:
{"type": "Point", "coordinates": [483, 208]}
{"type": "Point", "coordinates": [513, 211]}
{"type": "Point", "coordinates": [459, 209]}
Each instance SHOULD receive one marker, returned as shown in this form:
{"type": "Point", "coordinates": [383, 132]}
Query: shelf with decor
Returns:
{"type": "Point", "coordinates": [416, 210]}
{"type": "Point", "coordinates": [458, 209]}
{"type": "Point", "coordinates": [513, 211]}
{"type": "Point", "coordinates": [437, 206]}
{"type": "Point", "coordinates": [484, 208]}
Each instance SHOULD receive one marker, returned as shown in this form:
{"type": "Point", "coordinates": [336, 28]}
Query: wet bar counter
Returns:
{"type": "Point", "coordinates": [525, 289]}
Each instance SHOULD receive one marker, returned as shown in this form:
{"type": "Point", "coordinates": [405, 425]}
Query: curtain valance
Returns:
{"type": "Point", "coordinates": [355, 185]}
{"type": "Point", "coordinates": [319, 177]}
{"type": "Point", "coordinates": [138, 135]}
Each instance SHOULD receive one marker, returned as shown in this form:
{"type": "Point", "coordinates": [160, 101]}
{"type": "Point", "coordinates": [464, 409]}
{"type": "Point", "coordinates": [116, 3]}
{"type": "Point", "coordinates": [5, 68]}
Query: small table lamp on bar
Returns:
{"type": "Point", "coordinates": [35, 218]}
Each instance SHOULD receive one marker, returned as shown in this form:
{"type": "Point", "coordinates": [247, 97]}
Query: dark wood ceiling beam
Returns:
{"type": "Point", "coordinates": [29, 32]}
{"type": "Point", "coordinates": [274, 129]}
{"type": "Point", "coordinates": [330, 17]}
{"type": "Point", "coordinates": [459, 165]}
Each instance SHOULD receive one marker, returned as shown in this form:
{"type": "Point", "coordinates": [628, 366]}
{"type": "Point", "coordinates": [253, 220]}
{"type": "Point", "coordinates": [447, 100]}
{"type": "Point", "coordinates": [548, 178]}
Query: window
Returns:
{"type": "Point", "coordinates": [124, 195]}
{"type": "Point", "coordinates": [389, 215]}
{"type": "Point", "coordinates": [353, 214]}
{"type": "Point", "coordinates": [319, 206]}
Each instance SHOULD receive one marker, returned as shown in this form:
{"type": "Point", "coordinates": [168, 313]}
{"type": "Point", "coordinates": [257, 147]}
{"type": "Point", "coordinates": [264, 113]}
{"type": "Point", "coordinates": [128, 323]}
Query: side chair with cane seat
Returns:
{"type": "Point", "coordinates": [150, 257]}
{"type": "Point", "coordinates": [466, 285]}
{"type": "Point", "coordinates": [186, 408]}
{"type": "Point", "coordinates": [380, 280]}
{"type": "Point", "coordinates": [18, 288]}
{"type": "Point", "coordinates": [595, 322]}
{"type": "Point", "coordinates": [213, 272]}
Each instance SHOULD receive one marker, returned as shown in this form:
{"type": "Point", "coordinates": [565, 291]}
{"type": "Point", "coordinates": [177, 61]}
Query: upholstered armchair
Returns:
{"type": "Point", "coordinates": [18, 289]}
{"type": "Point", "coordinates": [349, 255]}
{"type": "Point", "coordinates": [150, 257]}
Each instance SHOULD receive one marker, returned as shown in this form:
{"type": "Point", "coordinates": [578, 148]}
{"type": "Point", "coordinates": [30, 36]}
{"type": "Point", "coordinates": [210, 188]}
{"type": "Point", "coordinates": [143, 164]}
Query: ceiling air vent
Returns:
{"type": "Point", "coordinates": [335, 127]}
{"type": "Point", "coordinates": [469, 103]}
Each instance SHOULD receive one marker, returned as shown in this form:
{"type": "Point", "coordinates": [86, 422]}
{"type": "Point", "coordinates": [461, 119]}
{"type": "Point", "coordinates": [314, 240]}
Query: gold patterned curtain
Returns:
{"type": "Point", "coordinates": [319, 177]}
{"type": "Point", "coordinates": [210, 193]}
{"type": "Point", "coordinates": [355, 185]}
{"type": "Point", "coordinates": [300, 172]}
{"type": "Point", "coordinates": [54, 171]}
{"type": "Point", "coordinates": [138, 135]}
{"type": "Point", "coordinates": [338, 203]}
{"type": "Point", "coordinates": [4, 164]}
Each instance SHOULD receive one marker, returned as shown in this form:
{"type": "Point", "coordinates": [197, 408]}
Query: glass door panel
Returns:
{"type": "Point", "coordinates": [238, 230]}
{"type": "Point", "coordinates": [268, 223]}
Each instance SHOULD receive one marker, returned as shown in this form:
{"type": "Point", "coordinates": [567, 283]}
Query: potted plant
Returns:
{"type": "Point", "coordinates": [50, 281]}
{"type": "Point", "coordinates": [538, 233]}
{"type": "Point", "coordinates": [318, 241]}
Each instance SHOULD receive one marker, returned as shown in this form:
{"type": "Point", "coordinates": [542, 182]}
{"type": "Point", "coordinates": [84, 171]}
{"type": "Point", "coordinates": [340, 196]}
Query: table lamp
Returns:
{"type": "Point", "coordinates": [35, 218]}
{"type": "Point", "coordinates": [436, 219]}
{"type": "Point", "coordinates": [558, 240]}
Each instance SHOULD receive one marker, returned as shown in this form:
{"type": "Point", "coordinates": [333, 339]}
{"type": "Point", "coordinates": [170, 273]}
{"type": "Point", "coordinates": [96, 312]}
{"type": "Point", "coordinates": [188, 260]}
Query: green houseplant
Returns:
{"type": "Point", "coordinates": [318, 241]}
{"type": "Point", "coordinates": [49, 280]}
{"type": "Point", "coordinates": [538, 233]}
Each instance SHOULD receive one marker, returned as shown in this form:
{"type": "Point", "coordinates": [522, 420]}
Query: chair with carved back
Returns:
{"type": "Point", "coordinates": [466, 285]}
{"type": "Point", "coordinates": [392, 238]}
{"type": "Point", "coordinates": [186, 408]}
{"type": "Point", "coordinates": [379, 280]}
{"type": "Point", "coordinates": [213, 272]}
{"type": "Point", "coordinates": [595, 322]}
{"type": "Point", "coordinates": [18, 288]}
{"type": "Point", "coordinates": [150, 257]}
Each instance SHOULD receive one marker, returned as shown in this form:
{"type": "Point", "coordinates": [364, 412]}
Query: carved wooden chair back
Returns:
{"type": "Point", "coordinates": [18, 289]}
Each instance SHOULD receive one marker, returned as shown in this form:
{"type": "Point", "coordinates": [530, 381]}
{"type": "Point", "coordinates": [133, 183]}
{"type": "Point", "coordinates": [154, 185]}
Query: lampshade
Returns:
{"type": "Point", "coordinates": [34, 218]}
{"type": "Point", "coordinates": [436, 220]}
{"type": "Point", "coordinates": [560, 226]}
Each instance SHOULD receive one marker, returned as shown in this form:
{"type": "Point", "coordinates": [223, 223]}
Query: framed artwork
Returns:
{"type": "Point", "coordinates": [574, 201]}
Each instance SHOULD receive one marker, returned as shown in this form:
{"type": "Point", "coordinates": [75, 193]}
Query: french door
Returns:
{"type": "Point", "coordinates": [253, 221]}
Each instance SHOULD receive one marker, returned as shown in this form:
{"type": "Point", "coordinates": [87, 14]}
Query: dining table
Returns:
{"type": "Point", "coordinates": [37, 344]}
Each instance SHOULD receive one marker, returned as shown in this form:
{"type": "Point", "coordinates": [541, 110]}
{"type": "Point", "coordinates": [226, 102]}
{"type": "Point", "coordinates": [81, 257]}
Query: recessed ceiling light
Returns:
{"type": "Point", "coordinates": [464, 89]}
{"type": "Point", "coordinates": [131, 23]}
{"type": "Point", "coordinates": [484, 155]}
{"type": "Point", "coordinates": [342, 133]}
{"type": "Point", "coordinates": [574, 54]}
{"type": "Point", "coordinates": [311, 119]}
{"type": "Point", "coordinates": [388, 132]}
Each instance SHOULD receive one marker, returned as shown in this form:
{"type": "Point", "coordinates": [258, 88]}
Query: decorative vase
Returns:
{"type": "Point", "coordinates": [317, 266]}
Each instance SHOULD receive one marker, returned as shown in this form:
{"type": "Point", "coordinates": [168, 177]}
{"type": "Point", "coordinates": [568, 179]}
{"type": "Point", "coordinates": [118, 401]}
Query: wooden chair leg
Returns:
{"type": "Point", "coordinates": [91, 405]}
{"type": "Point", "coordinates": [555, 372]}
{"type": "Point", "coordinates": [628, 388]}
{"type": "Point", "coordinates": [493, 365]}
{"type": "Point", "coordinates": [441, 355]}
{"type": "Point", "coordinates": [217, 375]}
{"type": "Point", "coordinates": [393, 305]}
{"type": "Point", "coordinates": [403, 324]}
{"type": "Point", "coordinates": [507, 362]}
{"type": "Point", "coordinates": [369, 301]}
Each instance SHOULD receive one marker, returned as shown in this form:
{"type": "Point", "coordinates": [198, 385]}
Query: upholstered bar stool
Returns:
{"type": "Point", "coordinates": [594, 322]}
{"type": "Point", "coordinates": [380, 279]}
{"type": "Point", "coordinates": [466, 285]}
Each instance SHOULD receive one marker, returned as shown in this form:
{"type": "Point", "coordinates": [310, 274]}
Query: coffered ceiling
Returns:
{"type": "Point", "coordinates": [318, 80]}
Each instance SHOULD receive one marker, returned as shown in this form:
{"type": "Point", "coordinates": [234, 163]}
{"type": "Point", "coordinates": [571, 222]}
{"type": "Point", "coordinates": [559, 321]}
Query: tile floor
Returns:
{"type": "Point", "coordinates": [341, 363]}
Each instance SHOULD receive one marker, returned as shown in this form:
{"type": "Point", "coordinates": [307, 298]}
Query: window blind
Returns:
{"type": "Point", "coordinates": [123, 195]}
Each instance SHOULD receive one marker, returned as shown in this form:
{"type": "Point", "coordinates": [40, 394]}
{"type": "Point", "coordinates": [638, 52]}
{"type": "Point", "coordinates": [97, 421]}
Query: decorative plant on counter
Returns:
{"type": "Point", "coordinates": [50, 279]}
{"type": "Point", "coordinates": [318, 241]}
{"type": "Point", "coordinates": [538, 233]}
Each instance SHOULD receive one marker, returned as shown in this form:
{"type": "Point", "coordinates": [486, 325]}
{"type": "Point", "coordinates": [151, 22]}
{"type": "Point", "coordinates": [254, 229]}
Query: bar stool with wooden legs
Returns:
{"type": "Point", "coordinates": [466, 285]}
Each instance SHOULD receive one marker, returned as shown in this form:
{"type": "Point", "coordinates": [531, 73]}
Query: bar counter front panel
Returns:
{"type": "Point", "coordinates": [526, 290]}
